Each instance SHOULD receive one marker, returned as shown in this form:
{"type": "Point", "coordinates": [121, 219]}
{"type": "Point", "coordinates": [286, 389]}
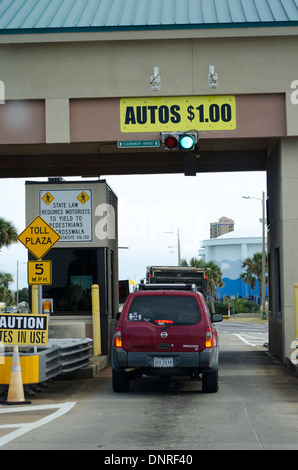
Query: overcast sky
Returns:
{"type": "Point", "coordinates": [149, 206]}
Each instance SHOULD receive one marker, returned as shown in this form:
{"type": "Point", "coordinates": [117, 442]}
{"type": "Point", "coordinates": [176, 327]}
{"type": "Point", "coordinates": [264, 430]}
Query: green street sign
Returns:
{"type": "Point", "coordinates": [137, 143]}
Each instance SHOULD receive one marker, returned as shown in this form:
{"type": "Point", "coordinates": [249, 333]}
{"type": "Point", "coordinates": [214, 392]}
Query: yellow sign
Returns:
{"type": "Point", "coordinates": [48, 198]}
{"type": "Point", "coordinates": [183, 113]}
{"type": "Point", "coordinates": [23, 329]}
{"type": "Point", "coordinates": [83, 197]}
{"type": "Point", "coordinates": [38, 237]}
{"type": "Point", "coordinates": [39, 272]}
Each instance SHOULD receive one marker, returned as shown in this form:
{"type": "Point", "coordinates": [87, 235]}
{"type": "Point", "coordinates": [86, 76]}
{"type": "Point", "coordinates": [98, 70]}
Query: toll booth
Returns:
{"type": "Point", "coordinates": [84, 214]}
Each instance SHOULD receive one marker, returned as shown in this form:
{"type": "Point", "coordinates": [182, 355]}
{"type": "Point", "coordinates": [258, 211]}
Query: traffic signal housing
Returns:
{"type": "Point", "coordinates": [123, 291]}
{"type": "Point", "coordinates": [179, 140]}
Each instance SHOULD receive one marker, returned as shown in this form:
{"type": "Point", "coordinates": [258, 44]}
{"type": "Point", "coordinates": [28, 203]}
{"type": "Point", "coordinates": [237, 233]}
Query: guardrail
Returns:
{"type": "Point", "coordinates": [58, 357]}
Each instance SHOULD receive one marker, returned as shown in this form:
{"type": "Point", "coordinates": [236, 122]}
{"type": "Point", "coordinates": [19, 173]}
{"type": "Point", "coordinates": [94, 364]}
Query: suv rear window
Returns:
{"type": "Point", "coordinates": [168, 308]}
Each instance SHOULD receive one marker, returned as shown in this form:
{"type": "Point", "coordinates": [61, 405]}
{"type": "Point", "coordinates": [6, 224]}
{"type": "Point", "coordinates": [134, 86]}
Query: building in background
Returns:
{"type": "Point", "coordinates": [229, 251]}
{"type": "Point", "coordinates": [224, 225]}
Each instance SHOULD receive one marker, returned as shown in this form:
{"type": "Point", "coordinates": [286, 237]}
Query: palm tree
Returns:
{"type": "Point", "coordinates": [8, 233]}
{"type": "Point", "coordinates": [253, 271]}
{"type": "Point", "coordinates": [6, 295]}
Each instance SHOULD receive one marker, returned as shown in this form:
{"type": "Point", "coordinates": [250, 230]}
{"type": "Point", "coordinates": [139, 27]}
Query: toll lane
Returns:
{"type": "Point", "coordinates": [256, 408]}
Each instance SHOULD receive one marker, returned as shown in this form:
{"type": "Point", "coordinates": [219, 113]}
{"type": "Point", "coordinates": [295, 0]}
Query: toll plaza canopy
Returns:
{"type": "Point", "coordinates": [105, 15]}
{"type": "Point", "coordinates": [67, 64]}
{"type": "Point", "coordinates": [88, 87]}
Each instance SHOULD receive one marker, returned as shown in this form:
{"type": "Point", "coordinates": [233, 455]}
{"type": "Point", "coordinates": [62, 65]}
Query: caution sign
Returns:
{"type": "Point", "coordinates": [23, 329]}
{"type": "Point", "coordinates": [38, 237]}
{"type": "Point", "coordinates": [201, 113]}
{"type": "Point", "coordinates": [39, 273]}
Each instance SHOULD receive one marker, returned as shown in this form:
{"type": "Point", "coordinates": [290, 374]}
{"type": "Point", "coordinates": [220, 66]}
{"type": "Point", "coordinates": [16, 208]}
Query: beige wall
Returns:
{"type": "Point", "coordinates": [248, 61]}
{"type": "Point", "coordinates": [102, 68]}
{"type": "Point", "coordinates": [289, 235]}
{"type": "Point", "coordinates": [283, 238]}
{"type": "Point", "coordinates": [123, 68]}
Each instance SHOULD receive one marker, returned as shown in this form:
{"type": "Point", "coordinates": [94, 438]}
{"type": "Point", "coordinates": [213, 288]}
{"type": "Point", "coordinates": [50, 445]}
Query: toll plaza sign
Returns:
{"type": "Point", "coordinates": [162, 114]}
{"type": "Point", "coordinates": [23, 329]}
{"type": "Point", "coordinates": [38, 237]}
{"type": "Point", "coordinates": [69, 212]}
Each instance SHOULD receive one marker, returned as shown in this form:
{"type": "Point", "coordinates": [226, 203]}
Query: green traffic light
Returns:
{"type": "Point", "coordinates": [186, 142]}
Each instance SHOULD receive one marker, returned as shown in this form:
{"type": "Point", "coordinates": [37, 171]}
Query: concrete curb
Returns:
{"type": "Point", "coordinates": [88, 372]}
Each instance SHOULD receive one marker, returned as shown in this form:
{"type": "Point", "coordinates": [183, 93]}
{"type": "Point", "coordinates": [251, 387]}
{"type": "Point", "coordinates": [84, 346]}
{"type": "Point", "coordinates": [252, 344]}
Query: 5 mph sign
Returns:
{"type": "Point", "coordinates": [39, 272]}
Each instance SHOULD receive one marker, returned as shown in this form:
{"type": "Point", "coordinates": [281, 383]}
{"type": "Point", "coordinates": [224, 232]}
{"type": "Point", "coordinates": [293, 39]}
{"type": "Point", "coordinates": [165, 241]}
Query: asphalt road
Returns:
{"type": "Point", "coordinates": [256, 408]}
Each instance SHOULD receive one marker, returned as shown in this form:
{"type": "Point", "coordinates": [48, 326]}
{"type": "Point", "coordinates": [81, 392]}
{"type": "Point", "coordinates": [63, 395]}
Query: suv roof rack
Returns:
{"type": "Point", "coordinates": [191, 287]}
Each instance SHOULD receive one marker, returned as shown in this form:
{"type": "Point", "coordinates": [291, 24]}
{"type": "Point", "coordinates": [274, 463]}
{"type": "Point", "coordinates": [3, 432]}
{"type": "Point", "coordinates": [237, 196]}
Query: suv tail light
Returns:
{"type": "Point", "coordinates": [118, 339]}
{"type": "Point", "coordinates": [208, 341]}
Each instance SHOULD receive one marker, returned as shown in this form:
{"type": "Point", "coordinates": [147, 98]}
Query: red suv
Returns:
{"type": "Point", "coordinates": [165, 331]}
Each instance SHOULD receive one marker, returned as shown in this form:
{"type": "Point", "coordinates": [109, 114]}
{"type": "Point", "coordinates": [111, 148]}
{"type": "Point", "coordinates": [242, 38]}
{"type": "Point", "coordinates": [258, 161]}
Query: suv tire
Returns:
{"type": "Point", "coordinates": [120, 381]}
{"type": "Point", "coordinates": [210, 381]}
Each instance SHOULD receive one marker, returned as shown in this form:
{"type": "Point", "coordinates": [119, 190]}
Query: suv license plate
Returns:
{"type": "Point", "coordinates": [163, 362]}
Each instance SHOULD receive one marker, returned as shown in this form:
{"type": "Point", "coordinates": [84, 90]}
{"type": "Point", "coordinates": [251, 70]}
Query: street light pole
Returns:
{"type": "Point", "coordinates": [18, 263]}
{"type": "Point", "coordinates": [263, 255]}
{"type": "Point", "coordinates": [179, 250]}
{"type": "Point", "coordinates": [263, 249]}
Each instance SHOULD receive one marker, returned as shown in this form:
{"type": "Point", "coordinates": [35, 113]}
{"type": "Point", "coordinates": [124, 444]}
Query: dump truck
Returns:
{"type": "Point", "coordinates": [178, 275]}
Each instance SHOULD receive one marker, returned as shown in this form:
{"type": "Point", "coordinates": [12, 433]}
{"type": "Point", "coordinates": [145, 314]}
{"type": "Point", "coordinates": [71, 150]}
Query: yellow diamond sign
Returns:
{"type": "Point", "coordinates": [38, 237]}
{"type": "Point", "coordinates": [83, 197]}
{"type": "Point", "coordinates": [48, 198]}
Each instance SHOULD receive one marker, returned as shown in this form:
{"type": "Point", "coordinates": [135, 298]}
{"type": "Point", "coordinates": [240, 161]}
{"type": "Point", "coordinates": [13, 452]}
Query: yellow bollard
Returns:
{"type": "Point", "coordinates": [35, 299]}
{"type": "Point", "coordinates": [96, 320]}
{"type": "Point", "coordinates": [296, 309]}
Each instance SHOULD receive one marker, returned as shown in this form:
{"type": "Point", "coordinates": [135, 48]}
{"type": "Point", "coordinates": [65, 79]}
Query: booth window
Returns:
{"type": "Point", "coordinates": [73, 272]}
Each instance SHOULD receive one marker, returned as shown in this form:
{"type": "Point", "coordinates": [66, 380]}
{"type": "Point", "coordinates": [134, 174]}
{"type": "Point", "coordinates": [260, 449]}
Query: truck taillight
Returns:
{"type": "Point", "coordinates": [208, 341]}
{"type": "Point", "coordinates": [118, 339]}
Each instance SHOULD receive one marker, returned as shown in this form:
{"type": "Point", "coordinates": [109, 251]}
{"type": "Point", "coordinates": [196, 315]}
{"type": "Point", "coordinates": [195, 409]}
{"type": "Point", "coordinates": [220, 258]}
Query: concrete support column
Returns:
{"type": "Point", "coordinates": [283, 244]}
{"type": "Point", "coordinates": [57, 121]}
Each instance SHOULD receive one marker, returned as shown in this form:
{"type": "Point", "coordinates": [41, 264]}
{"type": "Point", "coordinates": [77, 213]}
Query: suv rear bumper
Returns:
{"type": "Point", "coordinates": [205, 360]}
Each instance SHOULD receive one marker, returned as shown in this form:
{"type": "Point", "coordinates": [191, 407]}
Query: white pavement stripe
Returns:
{"type": "Point", "coordinates": [251, 340]}
{"type": "Point", "coordinates": [26, 427]}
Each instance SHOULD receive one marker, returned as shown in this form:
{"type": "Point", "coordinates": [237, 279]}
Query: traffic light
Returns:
{"type": "Point", "coordinates": [179, 140]}
{"type": "Point", "coordinates": [123, 291]}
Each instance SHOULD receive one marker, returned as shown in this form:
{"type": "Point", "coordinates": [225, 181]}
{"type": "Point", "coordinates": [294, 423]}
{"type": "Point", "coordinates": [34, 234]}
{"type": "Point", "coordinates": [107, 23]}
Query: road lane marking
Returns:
{"type": "Point", "coordinates": [252, 427]}
{"type": "Point", "coordinates": [26, 427]}
{"type": "Point", "coordinates": [249, 338]}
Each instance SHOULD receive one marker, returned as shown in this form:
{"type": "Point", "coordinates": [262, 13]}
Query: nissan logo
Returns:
{"type": "Point", "coordinates": [163, 334]}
